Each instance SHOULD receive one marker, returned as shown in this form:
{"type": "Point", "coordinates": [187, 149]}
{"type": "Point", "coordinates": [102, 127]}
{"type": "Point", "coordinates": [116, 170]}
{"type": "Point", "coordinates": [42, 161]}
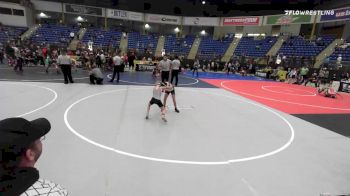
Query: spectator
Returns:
{"type": "Point", "coordinates": [131, 59]}
{"type": "Point", "coordinates": [303, 73]}
{"type": "Point", "coordinates": [339, 59]}
{"type": "Point", "coordinates": [71, 35]}
{"type": "Point", "coordinates": [1, 56]}
{"type": "Point", "coordinates": [21, 147]}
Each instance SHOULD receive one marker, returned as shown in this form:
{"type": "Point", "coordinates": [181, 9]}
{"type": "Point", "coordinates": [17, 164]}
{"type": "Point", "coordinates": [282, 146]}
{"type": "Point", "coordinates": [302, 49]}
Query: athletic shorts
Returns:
{"type": "Point", "coordinates": [156, 101]}
{"type": "Point", "coordinates": [172, 92]}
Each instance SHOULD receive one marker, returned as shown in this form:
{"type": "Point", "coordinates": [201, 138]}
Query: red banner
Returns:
{"type": "Point", "coordinates": [241, 21]}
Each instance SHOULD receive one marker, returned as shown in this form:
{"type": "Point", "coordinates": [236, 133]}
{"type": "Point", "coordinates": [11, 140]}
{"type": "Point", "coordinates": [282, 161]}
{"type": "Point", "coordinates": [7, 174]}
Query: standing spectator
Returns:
{"type": "Point", "coordinates": [65, 63]}
{"type": "Point", "coordinates": [131, 59]}
{"type": "Point", "coordinates": [98, 60]}
{"type": "Point", "coordinates": [117, 63]}
{"type": "Point", "coordinates": [1, 55]}
{"type": "Point", "coordinates": [40, 56]}
{"type": "Point", "coordinates": [10, 54]}
{"type": "Point", "coordinates": [303, 73]}
{"type": "Point", "coordinates": [196, 66]}
{"type": "Point", "coordinates": [175, 68]}
{"type": "Point", "coordinates": [44, 52]}
{"type": "Point", "coordinates": [103, 58]}
{"type": "Point", "coordinates": [284, 59]}
{"type": "Point", "coordinates": [21, 146]}
{"type": "Point", "coordinates": [125, 61]}
{"type": "Point", "coordinates": [47, 63]}
{"type": "Point", "coordinates": [19, 63]}
{"type": "Point", "coordinates": [339, 59]}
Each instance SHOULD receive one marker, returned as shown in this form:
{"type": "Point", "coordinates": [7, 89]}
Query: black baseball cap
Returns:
{"type": "Point", "coordinates": [21, 132]}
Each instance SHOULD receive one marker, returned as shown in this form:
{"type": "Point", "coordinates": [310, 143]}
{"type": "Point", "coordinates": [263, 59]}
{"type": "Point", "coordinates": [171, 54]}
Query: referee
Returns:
{"type": "Point", "coordinates": [117, 62]}
{"type": "Point", "coordinates": [175, 68]}
{"type": "Point", "coordinates": [164, 66]}
{"type": "Point", "coordinates": [65, 63]}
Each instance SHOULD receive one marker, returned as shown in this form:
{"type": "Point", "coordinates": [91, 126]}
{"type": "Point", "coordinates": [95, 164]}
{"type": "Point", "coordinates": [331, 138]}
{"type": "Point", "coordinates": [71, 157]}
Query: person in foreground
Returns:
{"type": "Point", "coordinates": [21, 147]}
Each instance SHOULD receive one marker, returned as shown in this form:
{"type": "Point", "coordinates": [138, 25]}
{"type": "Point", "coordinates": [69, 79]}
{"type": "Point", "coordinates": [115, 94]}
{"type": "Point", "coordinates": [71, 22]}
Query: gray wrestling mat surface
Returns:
{"type": "Point", "coordinates": [219, 144]}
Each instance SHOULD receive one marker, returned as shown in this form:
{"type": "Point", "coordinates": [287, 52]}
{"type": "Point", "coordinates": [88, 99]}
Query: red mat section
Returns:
{"type": "Point", "coordinates": [289, 98]}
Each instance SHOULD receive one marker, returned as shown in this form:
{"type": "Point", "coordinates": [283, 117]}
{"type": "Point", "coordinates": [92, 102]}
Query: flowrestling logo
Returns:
{"type": "Point", "coordinates": [309, 12]}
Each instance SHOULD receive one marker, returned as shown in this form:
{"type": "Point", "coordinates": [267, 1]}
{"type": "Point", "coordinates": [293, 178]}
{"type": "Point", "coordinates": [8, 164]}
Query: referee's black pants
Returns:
{"type": "Point", "coordinates": [116, 70]}
{"type": "Point", "coordinates": [67, 73]}
{"type": "Point", "coordinates": [175, 73]}
{"type": "Point", "coordinates": [165, 76]}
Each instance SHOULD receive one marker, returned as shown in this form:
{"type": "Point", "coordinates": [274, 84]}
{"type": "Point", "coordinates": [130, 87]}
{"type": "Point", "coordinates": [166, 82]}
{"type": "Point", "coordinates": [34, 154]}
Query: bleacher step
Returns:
{"type": "Point", "coordinates": [30, 32]}
{"type": "Point", "coordinates": [327, 52]}
{"type": "Point", "coordinates": [194, 48]}
{"type": "Point", "coordinates": [274, 49]}
{"type": "Point", "coordinates": [160, 46]}
{"type": "Point", "coordinates": [123, 46]}
{"type": "Point", "coordinates": [230, 50]}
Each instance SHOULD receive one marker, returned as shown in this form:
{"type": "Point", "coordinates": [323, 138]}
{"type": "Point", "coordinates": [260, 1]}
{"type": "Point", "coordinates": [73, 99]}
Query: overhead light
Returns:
{"type": "Point", "coordinates": [177, 30]}
{"type": "Point", "coordinates": [238, 35]}
{"type": "Point", "coordinates": [203, 32]}
{"type": "Point", "coordinates": [203, 2]}
{"type": "Point", "coordinates": [43, 15]}
{"type": "Point", "coordinates": [147, 26]}
{"type": "Point", "coordinates": [80, 19]}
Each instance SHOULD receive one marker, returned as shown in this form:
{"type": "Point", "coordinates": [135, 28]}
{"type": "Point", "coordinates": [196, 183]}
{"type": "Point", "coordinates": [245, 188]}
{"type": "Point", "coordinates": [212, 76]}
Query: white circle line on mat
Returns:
{"type": "Point", "coordinates": [41, 107]}
{"type": "Point", "coordinates": [286, 145]}
{"type": "Point", "coordinates": [266, 88]}
{"type": "Point", "coordinates": [222, 84]}
{"type": "Point", "coordinates": [109, 76]}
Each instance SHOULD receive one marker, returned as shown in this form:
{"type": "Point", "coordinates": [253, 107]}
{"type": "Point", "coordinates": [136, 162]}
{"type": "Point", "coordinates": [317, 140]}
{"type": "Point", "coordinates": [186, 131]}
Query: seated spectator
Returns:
{"type": "Point", "coordinates": [21, 147]}
{"type": "Point", "coordinates": [96, 76]}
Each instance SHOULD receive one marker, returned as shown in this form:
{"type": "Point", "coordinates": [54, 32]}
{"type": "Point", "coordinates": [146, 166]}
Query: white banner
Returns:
{"type": "Point", "coordinates": [165, 19]}
{"type": "Point", "coordinates": [126, 15]}
{"type": "Point", "coordinates": [201, 21]}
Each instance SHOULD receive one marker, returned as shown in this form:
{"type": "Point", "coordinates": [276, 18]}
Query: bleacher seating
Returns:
{"type": "Point", "coordinates": [102, 38]}
{"type": "Point", "coordinates": [255, 47]}
{"type": "Point", "coordinates": [142, 42]}
{"type": "Point", "coordinates": [178, 46]}
{"type": "Point", "coordinates": [53, 34]}
{"type": "Point", "coordinates": [8, 33]}
{"type": "Point", "coordinates": [210, 48]}
{"type": "Point", "coordinates": [298, 46]}
{"type": "Point", "coordinates": [343, 50]}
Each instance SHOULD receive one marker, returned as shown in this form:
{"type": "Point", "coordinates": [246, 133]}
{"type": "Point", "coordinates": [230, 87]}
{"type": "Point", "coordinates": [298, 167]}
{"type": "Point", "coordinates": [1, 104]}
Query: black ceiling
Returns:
{"type": "Point", "coordinates": [213, 7]}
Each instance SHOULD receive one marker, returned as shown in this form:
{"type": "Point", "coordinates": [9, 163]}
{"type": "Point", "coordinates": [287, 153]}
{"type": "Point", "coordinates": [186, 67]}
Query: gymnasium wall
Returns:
{"type": "Point", "coordinates": [13, 20]}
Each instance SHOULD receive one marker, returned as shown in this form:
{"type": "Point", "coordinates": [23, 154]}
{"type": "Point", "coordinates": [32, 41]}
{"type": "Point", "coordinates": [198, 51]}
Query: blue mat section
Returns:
{"type": "Point", "coordinates": [224, 76]}
{"type": "Point", "coordinates": [146, 78]}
